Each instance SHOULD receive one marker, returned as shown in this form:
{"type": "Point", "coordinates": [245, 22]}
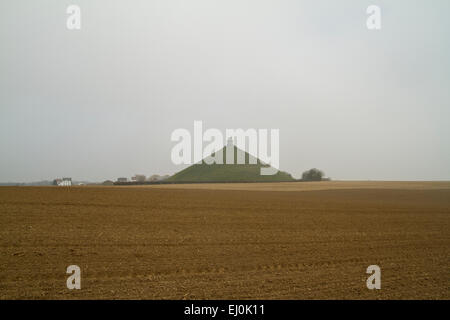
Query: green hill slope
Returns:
{"type": "Point", "coordinates": [202, 172]}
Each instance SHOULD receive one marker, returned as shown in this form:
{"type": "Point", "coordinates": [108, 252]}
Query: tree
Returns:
{"type": "Point", "coordinates": [312, 175]}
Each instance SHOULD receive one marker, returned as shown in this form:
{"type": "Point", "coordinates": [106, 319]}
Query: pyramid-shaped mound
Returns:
{"type": "Point", "coordinates": [247, 172]}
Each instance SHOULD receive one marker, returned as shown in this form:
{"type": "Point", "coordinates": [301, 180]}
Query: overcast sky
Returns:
{"type": "Point", "coordinates": [102, 102]}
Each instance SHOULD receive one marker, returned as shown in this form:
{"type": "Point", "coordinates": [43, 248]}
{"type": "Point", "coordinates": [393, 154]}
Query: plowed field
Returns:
{"type": "Point", "coordinates": [181, 242]}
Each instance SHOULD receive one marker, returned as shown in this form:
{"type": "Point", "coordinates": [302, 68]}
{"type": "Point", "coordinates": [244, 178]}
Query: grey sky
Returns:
{"type": "Point", "coordinates": [101, 102]}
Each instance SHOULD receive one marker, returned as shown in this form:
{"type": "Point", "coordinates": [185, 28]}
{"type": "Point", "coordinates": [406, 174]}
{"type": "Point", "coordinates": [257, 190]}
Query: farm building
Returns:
{"type": "Point", "coordinates": [138, 178]}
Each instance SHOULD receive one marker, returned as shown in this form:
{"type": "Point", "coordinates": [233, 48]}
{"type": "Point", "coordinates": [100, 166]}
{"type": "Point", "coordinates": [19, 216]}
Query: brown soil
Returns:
{"type": "Point", "coordinates": [175, 243]}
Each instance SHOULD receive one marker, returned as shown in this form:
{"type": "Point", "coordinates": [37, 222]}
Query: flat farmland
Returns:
{"type": "Point", "coordinates": [230, 241]}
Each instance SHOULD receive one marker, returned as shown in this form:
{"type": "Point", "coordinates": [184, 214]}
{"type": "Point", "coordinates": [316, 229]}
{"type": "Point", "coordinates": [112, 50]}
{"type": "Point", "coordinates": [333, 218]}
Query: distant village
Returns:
{"type": "Point", "coordinates": [138, 178]}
